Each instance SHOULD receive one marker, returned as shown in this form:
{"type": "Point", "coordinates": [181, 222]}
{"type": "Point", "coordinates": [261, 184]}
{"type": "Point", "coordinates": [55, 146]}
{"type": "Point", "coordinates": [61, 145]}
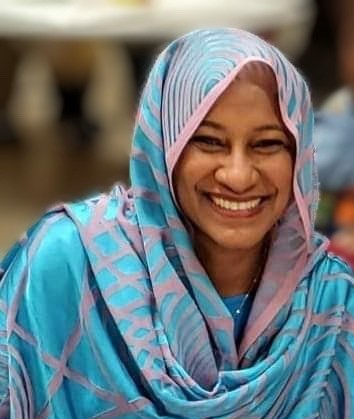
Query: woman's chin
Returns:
{"type": "Point", "coordinates": [240, 243]}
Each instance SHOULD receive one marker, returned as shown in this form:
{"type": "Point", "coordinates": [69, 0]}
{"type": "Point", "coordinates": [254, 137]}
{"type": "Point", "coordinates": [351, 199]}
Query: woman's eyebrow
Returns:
{"type": "Point", "coordinates": [216, 125]}
{"type": "Point", "coordinates": [211, 124]}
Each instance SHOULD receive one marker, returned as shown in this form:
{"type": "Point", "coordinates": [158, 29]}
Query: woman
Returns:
{"type": "Point", "coordinates": [203, 290]}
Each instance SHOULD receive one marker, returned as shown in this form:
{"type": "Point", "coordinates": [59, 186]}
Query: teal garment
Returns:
{"type": "Point", "coordinates": [100, 372]}
{"type": "Point", "coordinates": [106, 312]}
{"type": "Point", "coordinates": [238, 302]}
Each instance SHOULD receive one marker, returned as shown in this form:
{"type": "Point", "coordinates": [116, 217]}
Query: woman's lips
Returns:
{"type": "Point", "coordinates": [237, 208]}
{"type": "Point", "coordinates": [236, 205]}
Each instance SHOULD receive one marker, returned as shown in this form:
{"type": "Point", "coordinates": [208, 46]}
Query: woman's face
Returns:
{"type": "Point", "coordinates": [233, 179]}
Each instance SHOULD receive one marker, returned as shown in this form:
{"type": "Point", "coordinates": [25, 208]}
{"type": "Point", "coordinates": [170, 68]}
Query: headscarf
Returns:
{"type": "Point", "coordinates": [107, 312]}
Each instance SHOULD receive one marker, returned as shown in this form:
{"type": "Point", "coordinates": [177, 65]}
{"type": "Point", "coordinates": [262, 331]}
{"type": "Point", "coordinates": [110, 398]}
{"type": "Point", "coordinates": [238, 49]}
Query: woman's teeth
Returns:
{"type": "Point", "coordinates": [236, 205]}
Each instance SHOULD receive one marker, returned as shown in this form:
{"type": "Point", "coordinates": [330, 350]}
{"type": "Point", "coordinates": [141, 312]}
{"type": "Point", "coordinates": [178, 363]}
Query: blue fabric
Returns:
{"type": "Point", "coordinates": [234, 303]}
{"type": "Point", "coordinates": [106, 312]}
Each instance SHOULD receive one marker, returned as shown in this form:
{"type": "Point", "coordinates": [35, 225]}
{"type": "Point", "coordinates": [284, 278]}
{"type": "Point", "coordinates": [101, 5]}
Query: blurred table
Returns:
{"type": "Point", "coordinates": [160, 19]}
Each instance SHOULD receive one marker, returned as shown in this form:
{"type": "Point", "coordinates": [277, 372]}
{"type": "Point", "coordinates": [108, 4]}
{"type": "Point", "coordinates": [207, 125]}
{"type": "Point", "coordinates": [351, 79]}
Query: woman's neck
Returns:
{"type": "Point", "coordinates": [232, 271]}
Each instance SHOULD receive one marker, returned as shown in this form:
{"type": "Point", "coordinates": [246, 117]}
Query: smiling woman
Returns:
{"type": "Point", "coordinates": [202, 291]}
{"type": "Point", "coordinates": [233, 179]}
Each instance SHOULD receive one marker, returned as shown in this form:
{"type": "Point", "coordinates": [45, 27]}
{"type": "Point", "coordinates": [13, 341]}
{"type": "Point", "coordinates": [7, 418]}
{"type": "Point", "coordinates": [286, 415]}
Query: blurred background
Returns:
{"type": "Point", "coordinates": [71, 72]}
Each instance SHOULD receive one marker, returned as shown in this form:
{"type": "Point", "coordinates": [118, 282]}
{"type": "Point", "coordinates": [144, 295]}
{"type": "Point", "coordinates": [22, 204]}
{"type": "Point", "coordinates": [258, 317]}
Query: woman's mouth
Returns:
{"type": "Point", "coordinates": [236, 205]}
{"type": "Point", "coordinates": [245, 207]}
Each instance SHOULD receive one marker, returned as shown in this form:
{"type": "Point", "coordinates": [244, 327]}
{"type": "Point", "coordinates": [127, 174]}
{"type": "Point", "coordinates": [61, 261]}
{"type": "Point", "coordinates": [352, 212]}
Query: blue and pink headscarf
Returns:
{"type": "Point", "coordinates": [105, 311]}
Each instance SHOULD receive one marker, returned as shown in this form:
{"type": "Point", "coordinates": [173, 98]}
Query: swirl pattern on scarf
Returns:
{"type": "Point", "coordinates": [144, 334]}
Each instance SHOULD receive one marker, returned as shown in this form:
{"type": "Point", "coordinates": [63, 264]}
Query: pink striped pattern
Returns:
{"type": "Point", "coordinates": [142, 332]}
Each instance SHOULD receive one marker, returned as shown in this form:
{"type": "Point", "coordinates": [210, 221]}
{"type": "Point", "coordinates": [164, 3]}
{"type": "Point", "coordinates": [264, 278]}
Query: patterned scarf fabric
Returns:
{"type": "Point", "coordinates": [105, 311]}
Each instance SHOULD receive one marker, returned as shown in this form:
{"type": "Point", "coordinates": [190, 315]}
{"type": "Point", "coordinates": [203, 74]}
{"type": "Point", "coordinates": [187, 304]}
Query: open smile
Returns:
{"type": "Point", "coordinates": [237, 208]}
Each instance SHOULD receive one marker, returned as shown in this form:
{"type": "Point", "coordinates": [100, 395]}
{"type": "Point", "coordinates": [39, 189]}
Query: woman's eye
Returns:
{"type": "Point", "coordinates": [270, 146]}
{"type": "Point", "coordinates": [207, 143]}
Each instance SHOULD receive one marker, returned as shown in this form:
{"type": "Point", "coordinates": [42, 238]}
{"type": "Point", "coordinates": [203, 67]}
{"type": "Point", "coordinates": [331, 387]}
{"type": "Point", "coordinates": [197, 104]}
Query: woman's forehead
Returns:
{"type": "Point", "coordinates": [260, 74]}
{"type": "Point", "coordinates": [243, 96]}
{"type": "Point", "coordinates": [256, 78]}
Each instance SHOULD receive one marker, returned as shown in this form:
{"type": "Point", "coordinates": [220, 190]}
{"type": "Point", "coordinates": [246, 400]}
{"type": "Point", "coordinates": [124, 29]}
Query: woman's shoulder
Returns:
{"type": "Point", "coordinates": [48, 249]}
{"type": "Point", "coordinates": [333, 279]}
{"type": "Point", "coordinates": [58, 245]}
{"type": "Point", "coordinates": [332, 264]}
{"type": "Point", "coordinates": [53, 245]}
{"type": "Point", "coordinates": [48, 229]}
{"type": "Point", "coordinates": [115, 206]}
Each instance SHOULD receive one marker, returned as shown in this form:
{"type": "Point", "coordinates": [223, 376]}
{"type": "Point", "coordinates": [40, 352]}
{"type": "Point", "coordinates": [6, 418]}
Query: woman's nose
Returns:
{"type": "Point", "coordinates": [237, 173]}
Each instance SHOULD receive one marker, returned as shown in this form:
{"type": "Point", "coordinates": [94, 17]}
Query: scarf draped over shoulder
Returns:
{"type": "Point", "coordinates": [105, 311]}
